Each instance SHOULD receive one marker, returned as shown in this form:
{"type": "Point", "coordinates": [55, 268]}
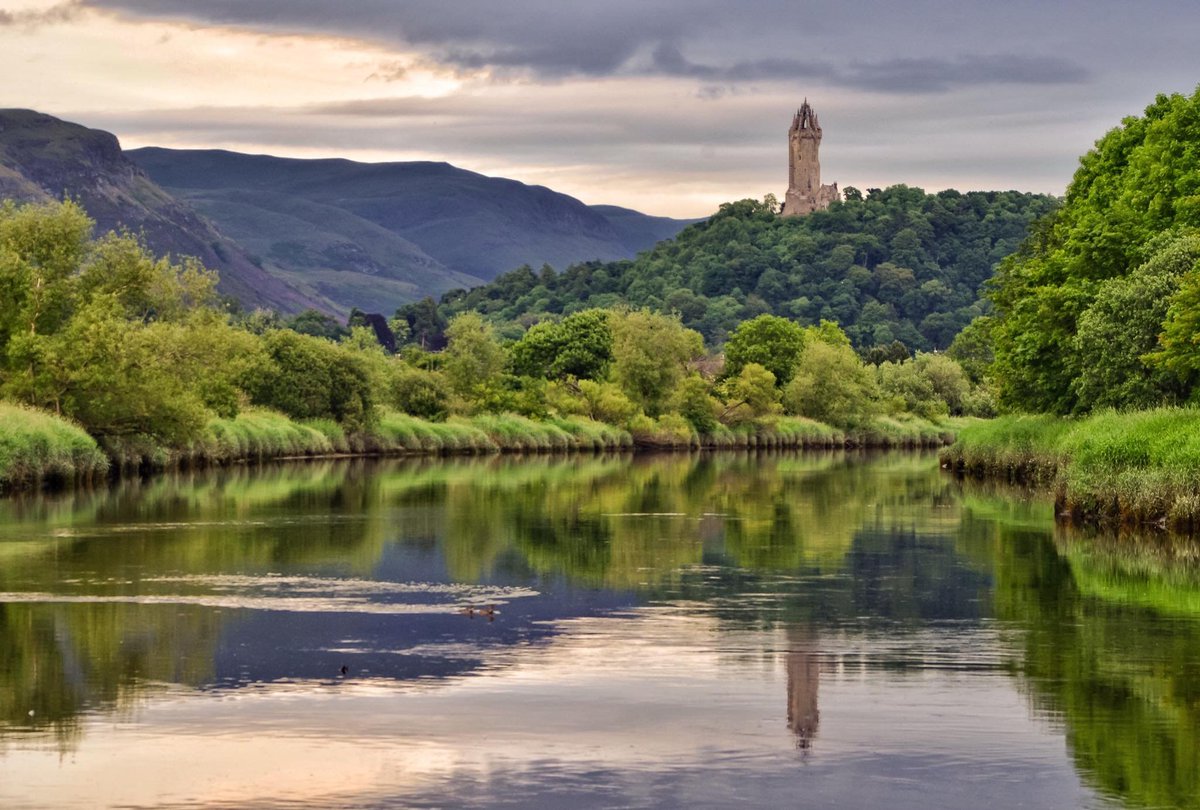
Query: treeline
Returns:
{"type": "Point", "coordinates": [1097, 330]}
{"type": "Point", "coordinates": [1101, 306]}
{"type": "Point", "coordinates": [892, 265]}
{"type": "Point", "coordinates": [139, 352]}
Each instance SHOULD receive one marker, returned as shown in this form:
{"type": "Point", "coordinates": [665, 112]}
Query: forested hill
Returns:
{"type": "Point", "coordinates": [894, 264]}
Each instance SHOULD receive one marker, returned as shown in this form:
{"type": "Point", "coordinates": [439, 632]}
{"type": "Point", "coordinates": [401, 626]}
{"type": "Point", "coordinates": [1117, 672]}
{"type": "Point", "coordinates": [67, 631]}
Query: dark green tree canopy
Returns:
{"type": "Point", "coordinates": [580, 346]}
{"type": "Point", "coordinates": [772, 342]}
{"type": "Point", "coordinates": [897, 264]}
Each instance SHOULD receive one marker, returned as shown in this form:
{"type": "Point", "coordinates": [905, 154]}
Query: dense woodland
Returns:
{"type": "Point", "coordinates": [891, 265]}
{"type": "Point", "coordinates": [1101, 307]}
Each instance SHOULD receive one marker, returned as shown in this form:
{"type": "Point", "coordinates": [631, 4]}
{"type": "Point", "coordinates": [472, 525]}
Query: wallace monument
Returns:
{"type": "Point", "coordinates": [805, 193]}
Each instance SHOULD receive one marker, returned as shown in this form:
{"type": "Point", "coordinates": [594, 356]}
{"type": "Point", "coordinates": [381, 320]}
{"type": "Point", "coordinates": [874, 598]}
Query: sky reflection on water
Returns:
{"type": "Point", "coordinates": [699, 631]}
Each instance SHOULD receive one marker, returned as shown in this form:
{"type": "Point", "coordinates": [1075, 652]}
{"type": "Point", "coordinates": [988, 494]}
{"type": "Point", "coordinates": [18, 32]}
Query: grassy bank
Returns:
{"type": "Point", "coordinates": [37, 446]}
{"type": "Point", "coordinates": [1138, 467]}
{"type": "Point", "coordinates": [797, 432]}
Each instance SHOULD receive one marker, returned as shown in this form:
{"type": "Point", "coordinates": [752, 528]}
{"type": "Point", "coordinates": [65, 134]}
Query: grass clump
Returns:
{"type": "Point", "coordinates": [1113, 466]}
{"type": "Point", "coordinates": [36, 446]}
{"type": "Point", "coordinates": [257, 434]}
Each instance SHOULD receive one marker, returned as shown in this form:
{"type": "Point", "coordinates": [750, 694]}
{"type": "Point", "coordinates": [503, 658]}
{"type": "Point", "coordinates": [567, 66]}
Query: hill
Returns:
{"type": "Point", "coordinates": [376, 235]}
{"type": "Point", "coordinates": [895, 264]}
{"type": "Point", "coordinates": [43, 158]}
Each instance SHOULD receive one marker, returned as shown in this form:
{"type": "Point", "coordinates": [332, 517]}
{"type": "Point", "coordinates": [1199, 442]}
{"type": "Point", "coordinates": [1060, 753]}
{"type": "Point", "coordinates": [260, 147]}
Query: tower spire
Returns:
{"type": "Point", "coordinates": [805, 192]}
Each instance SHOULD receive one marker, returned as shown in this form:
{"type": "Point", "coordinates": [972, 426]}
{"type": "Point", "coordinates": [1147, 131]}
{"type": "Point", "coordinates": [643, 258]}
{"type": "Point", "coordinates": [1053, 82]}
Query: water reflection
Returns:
{"type": "Point", "coordinates": [803, 681]}
{"type": "Point", "coordinates": [609, 631]}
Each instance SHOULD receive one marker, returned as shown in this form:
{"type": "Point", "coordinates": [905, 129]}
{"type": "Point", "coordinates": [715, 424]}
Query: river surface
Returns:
{"type": "Point", "coordinates": [759, 630]}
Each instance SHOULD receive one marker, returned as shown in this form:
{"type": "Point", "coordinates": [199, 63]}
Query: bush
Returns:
{"type": "Point", "coordinates": [421, 393]}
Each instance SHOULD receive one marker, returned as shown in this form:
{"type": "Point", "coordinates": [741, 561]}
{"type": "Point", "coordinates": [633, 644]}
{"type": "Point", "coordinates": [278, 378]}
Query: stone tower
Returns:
{"type": "Point", "coordinates": [805, 193]}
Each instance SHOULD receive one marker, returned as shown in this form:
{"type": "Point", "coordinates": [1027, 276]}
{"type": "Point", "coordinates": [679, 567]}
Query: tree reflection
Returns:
{"type": "Point", "coordinates": [1111, 645]}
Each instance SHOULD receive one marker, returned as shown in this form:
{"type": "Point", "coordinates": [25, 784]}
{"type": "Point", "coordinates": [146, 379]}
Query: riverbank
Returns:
{"type": "Point", "coordinates": [39, 448]}
{"type": "Point", "coordinates": [1138, 468]}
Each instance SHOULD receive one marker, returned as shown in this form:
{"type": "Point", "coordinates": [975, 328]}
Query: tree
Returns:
{"type": "Point", "coordinates": [105, 333]}
{"type": "Point", "coordinates": [946, 378]}
{"type": "Point", "coordinates": [1141, 180]}
{"type": "Point", "coordinates": [580, 346]}
{"type": "Point", "coordinates": [307, 377]}
{"type": "Point", "coordinates": [770, 341]}
{"type": "Point", "coordinates": [832, 385]}
{"type": "Point", "coordinates": [473, 360]}
{"type": "Point", "coordinates": [972, 348]}
{"type": "Point", "coordinates": [1180, 351]}
{"type": "Point", "coordinates": [750, 395]}
{"type": "Point", "coordinates": [650, 355]}
{"type": "Point", "coordinates": [420, 392]}
{"type": "Point", "coordinates": [694, 403]}
{"type": "Point", "coordinates": [317, 324]}
{"type": "Point", "coordinates": [1118, 334]}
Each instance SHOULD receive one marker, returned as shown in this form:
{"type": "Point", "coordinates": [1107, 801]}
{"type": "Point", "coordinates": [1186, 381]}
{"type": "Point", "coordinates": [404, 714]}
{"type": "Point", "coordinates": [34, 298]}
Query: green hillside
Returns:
{"type": "Point", "coordinates": [894, 264]}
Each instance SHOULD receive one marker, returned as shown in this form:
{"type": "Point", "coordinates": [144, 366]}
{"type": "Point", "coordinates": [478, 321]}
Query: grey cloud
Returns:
{"type": "Point", "coordinates": [939, 75]}
{"type": "Point", "coordinates": [35, 18]}
{"type": "Point", "coordinates": [929, 75]}
{"type": "Point", "coordinates": [728, 43]}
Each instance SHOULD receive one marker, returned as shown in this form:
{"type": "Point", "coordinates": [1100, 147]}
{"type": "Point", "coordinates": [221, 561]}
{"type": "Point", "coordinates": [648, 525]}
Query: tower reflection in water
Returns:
{"type": "Point", "coordinates": [803, 679]}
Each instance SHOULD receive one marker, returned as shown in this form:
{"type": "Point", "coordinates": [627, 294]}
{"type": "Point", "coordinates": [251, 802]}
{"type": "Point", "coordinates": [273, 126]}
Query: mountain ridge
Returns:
{"type": "Point", "coordinates": [443, 219]}
{"type": "Point", "coordinates": [330, 234]}
{"type": "Point", "coordinates": [45, 158]}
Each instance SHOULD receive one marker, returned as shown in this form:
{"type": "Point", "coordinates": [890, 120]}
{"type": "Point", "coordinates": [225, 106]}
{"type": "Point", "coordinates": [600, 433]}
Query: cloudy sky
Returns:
{"type": "Point", "coordinates": [668, 106]}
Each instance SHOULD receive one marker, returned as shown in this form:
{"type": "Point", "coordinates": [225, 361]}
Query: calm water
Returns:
{"type": "Point", "coordinates": [704, 631]}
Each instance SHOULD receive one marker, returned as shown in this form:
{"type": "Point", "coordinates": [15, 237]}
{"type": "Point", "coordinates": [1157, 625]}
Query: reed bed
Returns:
{"type": "Point", "coordinates": [37, 446]}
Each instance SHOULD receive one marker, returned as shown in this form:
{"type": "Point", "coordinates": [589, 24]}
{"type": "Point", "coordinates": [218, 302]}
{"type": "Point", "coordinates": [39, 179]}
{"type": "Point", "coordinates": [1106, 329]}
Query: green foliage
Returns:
{"type": "Point", "coordinates": [102, 332]}
{"type": "Point", "coordinates": [580, 345]}
{"type": "Point", "coordinates": [1140, 181]}
{"type": "Point", "coordinates": [750, 395]}
{"type": "Point", "coordinates": [972, 349]}
{"type": "Point", "coordinates": [650, 356]}
{"type": "Point", "coordinates": [771, 342]}
{"type": "Point", "coordinates": [694, 403]}
{"type": "Point", "coordinates": [946, 378]}
{"type": "Point", "coordinates": [420, 393]}
{"type": "Point", "coordinates": [35, 446]}
{"type": "Point", "coordinates": [317, 324]}
{"type": "Point", "coordinates": [473, 360]}
{"type": "Point", "coordinates": [605, 402]}
{"type": "Point", "coordinates": [1176, 267]}
{"type": "Point", "coordinates": [311, 378]}
{"type": "Point", "coordinates": [897, 265]}
{"type": "Point", "coordinates": [832, 385]}
{"type": "Point", "coordinates": [425, 324]}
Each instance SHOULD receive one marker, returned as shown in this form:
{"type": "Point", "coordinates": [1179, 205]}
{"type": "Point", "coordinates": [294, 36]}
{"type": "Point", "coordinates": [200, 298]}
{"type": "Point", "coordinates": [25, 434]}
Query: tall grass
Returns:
{"type": "Point", "coordinates": [797, 432]}
{"type": "Point", "coordinates": [1133, 467]}
{"type": "Point", "coordinates": [36, 446]}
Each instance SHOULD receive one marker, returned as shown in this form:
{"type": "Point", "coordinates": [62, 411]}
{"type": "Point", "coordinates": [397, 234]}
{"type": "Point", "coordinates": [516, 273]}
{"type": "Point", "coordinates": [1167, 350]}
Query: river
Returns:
{"type": "Point", "coordinates": [713, 630]}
